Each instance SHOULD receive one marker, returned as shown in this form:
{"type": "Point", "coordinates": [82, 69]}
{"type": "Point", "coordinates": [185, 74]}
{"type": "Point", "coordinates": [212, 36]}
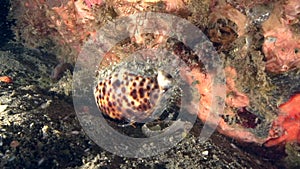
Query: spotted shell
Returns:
{"type": "Point", "coordinates": [128, 96]}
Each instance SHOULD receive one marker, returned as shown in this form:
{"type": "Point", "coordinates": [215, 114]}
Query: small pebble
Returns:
{"type": "Point", "coordinates": [47, 104]}
{"type": "Point", "coordinates": [1, 141]}
{"type": "Point", "coordinates": [205, 153]}
{"type": "Point", "coordinates": [75, 132]}
{"type": "Point", "coordinates": [3, 108]}
{"type": "Point", "coordinates": [45, 131]}
{"type": "Point", "coordinates": [41, 161]}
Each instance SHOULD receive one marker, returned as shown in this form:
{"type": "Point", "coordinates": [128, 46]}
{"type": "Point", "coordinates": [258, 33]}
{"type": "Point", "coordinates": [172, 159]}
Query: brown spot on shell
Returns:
{"type": "Point", "coordinates": [123, 90]}
{"type": "Point", "coordinates": [141, 92]}
{"type": "Point", "coordinates": [116, 84]}
{"type": "Point", "coordinates": [133, 94]}
{"type": "Point", "coordinates": [127, 96]}
{"type": "Point", "coordinates": [148, 87]}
